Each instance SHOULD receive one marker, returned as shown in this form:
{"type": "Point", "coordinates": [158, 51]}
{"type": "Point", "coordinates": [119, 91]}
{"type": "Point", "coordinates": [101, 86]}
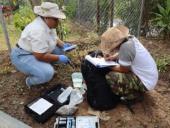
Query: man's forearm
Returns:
{"type": "Point", "coordinates": [46, 57]}
{"type": "Point", "coordinates": [120, 69]}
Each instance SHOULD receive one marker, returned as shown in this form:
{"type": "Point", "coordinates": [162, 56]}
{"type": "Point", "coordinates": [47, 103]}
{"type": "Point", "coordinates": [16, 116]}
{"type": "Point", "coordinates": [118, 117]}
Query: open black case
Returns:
{"type": "Point", "coordinates": [45, 106]}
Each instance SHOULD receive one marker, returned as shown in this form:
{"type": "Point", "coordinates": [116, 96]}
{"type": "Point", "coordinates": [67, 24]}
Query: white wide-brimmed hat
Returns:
{"type": "Point", "coordinates": [48, 9]}
{"type": "Point", "coordinates": [112, 38]}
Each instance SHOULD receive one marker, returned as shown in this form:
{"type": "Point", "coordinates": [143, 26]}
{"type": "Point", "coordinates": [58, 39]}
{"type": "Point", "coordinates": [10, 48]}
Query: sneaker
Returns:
{"type": "Point", "coordinates": [27, 83]}
{"type": "Point", "coordinates": [132, 98]}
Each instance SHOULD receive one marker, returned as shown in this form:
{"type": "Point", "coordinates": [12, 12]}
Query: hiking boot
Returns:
{"type": "Point", "coordinates": [132, 98]}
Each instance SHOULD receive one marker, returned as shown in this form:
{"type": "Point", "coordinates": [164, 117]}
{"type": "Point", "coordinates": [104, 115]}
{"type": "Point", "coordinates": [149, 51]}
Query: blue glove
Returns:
{"type": "Point", "coordinates": [63, 59]}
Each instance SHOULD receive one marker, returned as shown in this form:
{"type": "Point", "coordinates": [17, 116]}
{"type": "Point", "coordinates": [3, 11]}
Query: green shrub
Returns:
{"type": "Point", "coordinates": [162, 18]}
{"type": "Point", "coordinates": [162, 63]}
{"type": "Point", "coordinates": [23, 17]}
{"type": "Point", "coordinates": [62, 31]}
{"type": "Point", "coordinates": [70, 9]}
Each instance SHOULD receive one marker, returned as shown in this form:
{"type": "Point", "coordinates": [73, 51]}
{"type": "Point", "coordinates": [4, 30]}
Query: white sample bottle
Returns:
{"type": "Point", "coordinates": [64, 95]}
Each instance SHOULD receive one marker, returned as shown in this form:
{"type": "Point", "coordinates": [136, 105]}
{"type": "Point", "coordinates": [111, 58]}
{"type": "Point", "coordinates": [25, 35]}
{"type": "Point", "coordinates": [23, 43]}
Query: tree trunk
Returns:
{"type": "Point", "coordinates": [35, 2]}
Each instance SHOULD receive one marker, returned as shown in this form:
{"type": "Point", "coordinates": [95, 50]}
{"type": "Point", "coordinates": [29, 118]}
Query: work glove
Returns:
{"type": "Point", "coordinates": [63, 59]}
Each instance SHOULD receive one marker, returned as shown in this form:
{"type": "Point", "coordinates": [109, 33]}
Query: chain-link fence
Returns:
{"type": "Point", "coordinates": [100, 14]}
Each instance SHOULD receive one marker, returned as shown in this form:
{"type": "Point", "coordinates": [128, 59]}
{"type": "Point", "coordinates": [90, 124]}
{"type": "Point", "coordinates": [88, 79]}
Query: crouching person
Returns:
{"type": "Point", "coordinates": [39, 45]}
{"type": "Point", "coordinates": [137, 71]}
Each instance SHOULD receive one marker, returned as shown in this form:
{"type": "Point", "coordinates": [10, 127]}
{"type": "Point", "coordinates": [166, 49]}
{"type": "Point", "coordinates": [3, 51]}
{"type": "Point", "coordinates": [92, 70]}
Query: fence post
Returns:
{"type": "Point", "coordinates": [5, 29]}
{"type": "Point", "coordinates": [98, 15]}
{"type": "Point", "coordinates": [112, 12]}
{"type": "Point", "coordinates": [140, 18]}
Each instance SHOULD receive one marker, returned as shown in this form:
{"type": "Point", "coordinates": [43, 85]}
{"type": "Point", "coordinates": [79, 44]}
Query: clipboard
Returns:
{"type": "Point", "coordinates": [100, 62]}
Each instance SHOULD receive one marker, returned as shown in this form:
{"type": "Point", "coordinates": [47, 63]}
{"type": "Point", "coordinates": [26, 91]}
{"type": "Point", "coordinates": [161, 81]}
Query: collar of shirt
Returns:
{"type": "Point", "coordinates": [41, 21]}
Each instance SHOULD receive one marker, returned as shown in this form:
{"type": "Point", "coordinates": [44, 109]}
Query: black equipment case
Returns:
{"type": "Point", "coordinates": [36, 108]}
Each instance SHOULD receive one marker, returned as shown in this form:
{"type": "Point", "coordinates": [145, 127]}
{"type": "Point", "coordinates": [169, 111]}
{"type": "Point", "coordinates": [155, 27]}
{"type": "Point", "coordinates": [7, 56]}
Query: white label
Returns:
{"type": "Point", "coordinates": [40, 106]}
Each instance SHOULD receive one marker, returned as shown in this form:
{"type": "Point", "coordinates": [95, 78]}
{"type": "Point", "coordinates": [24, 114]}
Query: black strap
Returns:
{"type": "Point", "coordinates": [24, 53]}
{"type": "Point", "coordinates": [17, 45]}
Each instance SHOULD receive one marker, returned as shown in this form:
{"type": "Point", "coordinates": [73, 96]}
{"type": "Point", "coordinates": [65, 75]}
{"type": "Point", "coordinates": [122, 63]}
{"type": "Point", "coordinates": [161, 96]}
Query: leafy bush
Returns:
{"type": "Point", "coordinates": [162, 18]}
{"type": "Point", "coordinates": [23, 17]}
{"type": "Point", "coordinates": [70, 8]}
{"type": "Point", "coordinates": [62, 31]}
{"type": "Point", "coordinates": [162, 63]}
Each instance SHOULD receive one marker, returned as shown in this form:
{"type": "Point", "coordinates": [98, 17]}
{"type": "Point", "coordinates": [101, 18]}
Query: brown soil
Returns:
{"type": "Point", "coordinates": [153, 112]}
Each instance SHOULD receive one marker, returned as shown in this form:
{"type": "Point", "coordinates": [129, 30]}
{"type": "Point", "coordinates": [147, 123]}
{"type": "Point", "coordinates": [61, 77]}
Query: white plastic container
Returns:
{"type": "Point", "coordinates": [64, 95]}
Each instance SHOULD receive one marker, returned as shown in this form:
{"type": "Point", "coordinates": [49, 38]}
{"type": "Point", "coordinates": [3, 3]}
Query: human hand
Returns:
{"type": "Point", "coordinates": [109, 57]}
{"type": "Point", "coordinates": [63, 59]}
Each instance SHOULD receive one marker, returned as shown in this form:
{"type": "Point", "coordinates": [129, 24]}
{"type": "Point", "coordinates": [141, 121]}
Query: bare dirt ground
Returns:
{"type": "Point", "coordinates": [153, 112]}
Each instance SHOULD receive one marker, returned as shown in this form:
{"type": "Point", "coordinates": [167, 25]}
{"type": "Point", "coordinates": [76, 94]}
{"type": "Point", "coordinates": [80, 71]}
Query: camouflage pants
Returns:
{"type": "Point", "coordinates": [127, 85]}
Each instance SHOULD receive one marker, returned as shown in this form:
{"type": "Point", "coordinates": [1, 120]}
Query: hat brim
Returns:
{"type": "Point", "coordinates": [112, 38]}
{"type": "Point", "coordinates": [59, 14]}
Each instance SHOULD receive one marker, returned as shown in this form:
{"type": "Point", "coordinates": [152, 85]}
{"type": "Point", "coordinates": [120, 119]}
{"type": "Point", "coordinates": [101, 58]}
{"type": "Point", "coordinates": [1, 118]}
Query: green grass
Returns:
{"type": "Point", "coordinates": [13, 34]}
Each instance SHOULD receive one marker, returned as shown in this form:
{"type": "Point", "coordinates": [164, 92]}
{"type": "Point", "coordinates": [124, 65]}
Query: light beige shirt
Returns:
{"type": "Point", "coordinates": [37, 37]}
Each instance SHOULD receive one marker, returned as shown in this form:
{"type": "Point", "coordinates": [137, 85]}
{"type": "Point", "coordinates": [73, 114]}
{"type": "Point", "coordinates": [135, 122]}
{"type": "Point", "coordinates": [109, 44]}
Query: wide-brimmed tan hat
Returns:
{"type": "Point", "coordinates": [112, 38]}
{"type": "Point", "coordinates": [48, 9]}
